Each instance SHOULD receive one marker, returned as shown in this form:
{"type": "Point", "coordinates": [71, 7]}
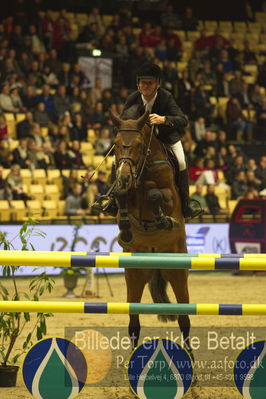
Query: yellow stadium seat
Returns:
{"type": "Point", "coordinates": [181, 66]}
{"type": "Point", "coordinates": [87, 159]}
{"type": "Point", "coordinates": [36, 192]}
{"type": "Point", "coordinates": [86, 147]}
{"type": "Point", "coordinates": [226, 26]}
{"type": "Point", "coordinates": [65, 172]}
{"type": "Point", "coordinates": [61, 208]}
{"type": "Point", "coordinates": [210, 25]}
{"type": "Point", "coordinates": [34, 209]}
{"type": "Point", "coordinates": [240, 26]}
{"type": "Point", "coordinates": [136, 31]}
{"type": "Point", "coordinates": [4, 211]}
{"type": "Point", "coordinates": [193, 35]}
{"type": "Point", "coordinates": [50, 208]}
{"type": "Point", "coordinates": [253, 69]}
{"type": "Point", "coordinates": [232, 205]}
{"type": "Point", "coordinates": [13, 144]}
{"type": "Point", "coordinates": [107, 19]}
{"type": "Point", "coordinates": [5, 173]}
{"type": "Point", "coordinates": [181, 34]}
{"type": "Point", "coordinates": [20, 117]}
{"type": "Point", "coordinates": [51, 192]}
{"type": "Point", "coordinates": [26, 176]}
{"type": "Point", "coordinates": [54, 177]}
{"type": "Point", "coordinates": [44, 131]}
{"type": "Point", "coordinates": [254, 27]}
{"type": "Point", "coordinates": [91, 135]}
{"type": "Point", "coordinates": [18, 210]}
{"type": "Point", "coordinates": [39, 176]}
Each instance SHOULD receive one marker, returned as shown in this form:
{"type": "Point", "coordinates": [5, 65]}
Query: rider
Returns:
{"type": "Point", "coordinates": [170, 124]}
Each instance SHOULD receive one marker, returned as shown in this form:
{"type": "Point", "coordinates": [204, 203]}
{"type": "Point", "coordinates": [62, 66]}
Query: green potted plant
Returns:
{"type": "Point", "coordinates": [71, 274]}
{"type": "Point", "coordinates": [13, 324]}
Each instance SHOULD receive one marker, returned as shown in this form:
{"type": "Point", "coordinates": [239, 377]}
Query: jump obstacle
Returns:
{"type": "Point", "coordinates": [134, 260]}
{"type": "Point", "coordinates": [134, 308]}
{"type": "Point", "coordinates": [255, 262]}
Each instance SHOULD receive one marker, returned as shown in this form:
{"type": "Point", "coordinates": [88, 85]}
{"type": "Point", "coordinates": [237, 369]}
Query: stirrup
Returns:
{"type": "Point", "coordinates": [192, 212]}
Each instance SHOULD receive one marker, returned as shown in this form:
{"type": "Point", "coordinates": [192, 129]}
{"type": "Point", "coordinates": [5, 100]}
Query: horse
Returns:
{"type": "Point", "coordinates": [149, 216]}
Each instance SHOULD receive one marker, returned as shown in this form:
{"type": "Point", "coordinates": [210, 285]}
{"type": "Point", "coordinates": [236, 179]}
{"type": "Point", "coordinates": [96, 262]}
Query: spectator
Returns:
{"type": "Point", "coordinates": [75, 203]}
{"type": "Point", "coordinates": [235, 85]}
{"type": "Point", "coordinates": [199, 129]}
{"type": "Point", "coordinates": [189, 22]}
{"type": "Point", "coordinates": [62, 157]}
{"type": "Point", "coordinates": [48, 99]}
{"type": "Point", "coordinates": [252, 181]}
{"type": "Point", "coordinates": [62, 31]}
{"type": "Point", "coordinates": [16, 99]}
{"type": "Point", "coordinates": [5, 192]}
{"type": "Point", "coordinates": [198, 196]}
{"type": "Point", "coordinates": [202, 103]}
{"type": "Point", "coordinates": [24, 127]}
{"type": "Point", "coordinates": [37, 45]}
{"type": "Point", "coordinates": [53, 62]}
{"type": "Point", "coordinates": [212, 200]}
{"type": "Point", "coordinates": [41, 116]}
{"type": "Point", "coordinates": [77, 161]}
{"type": "Point", "coordinates": [79, 130]}
{"type": "Point", "coordinates": [104, 143]}
{"type": "Point", "coordinates": [239, 186]}
{"type": "Point", "coordinates": [29, 98]}
{"type": "Point", "coordinates": [20, 155]}
{"type": "Point", "coordinates": [49, 77]}
{"type": "Point", "coordinates": [261, 172]}
{"type": "Point", "coordinates": [170, 19]}
{"type": "Point", "coordinates": [6, 103]}
{"type": "Point", "coordinates": [48, 29]}
{"type": "Point", "coordinates": [15, 183]}
{"type": "Point", "coordinates": [261, 121]}
{"type": "Point", "coordinates": [235, 118]}
{"type": "Point", "coordinates": [5, 155]}
{"type": "Point", "coordinates": [61, 101]}
{"type": "Point", "coordinates": [3, 128]}
{"type": "Point", "coordinates": [100, 182]}
{"type": "Point", "coordinates": [196, 170]}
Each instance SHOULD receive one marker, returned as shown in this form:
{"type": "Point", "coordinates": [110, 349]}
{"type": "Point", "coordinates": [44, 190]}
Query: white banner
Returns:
{"type": "Point", "coordinates": [201, 238]}
{"type": "Point", "coordinates": [97, 68]}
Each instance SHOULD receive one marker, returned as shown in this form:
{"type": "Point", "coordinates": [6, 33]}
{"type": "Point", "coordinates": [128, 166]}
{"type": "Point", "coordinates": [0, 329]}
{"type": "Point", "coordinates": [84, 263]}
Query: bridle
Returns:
{"type": "Point", "coordinates": [136, 170]}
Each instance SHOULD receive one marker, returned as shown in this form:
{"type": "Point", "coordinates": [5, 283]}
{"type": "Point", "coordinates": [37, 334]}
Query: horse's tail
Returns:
{"type": "Point", "coordinates": [158, 292]}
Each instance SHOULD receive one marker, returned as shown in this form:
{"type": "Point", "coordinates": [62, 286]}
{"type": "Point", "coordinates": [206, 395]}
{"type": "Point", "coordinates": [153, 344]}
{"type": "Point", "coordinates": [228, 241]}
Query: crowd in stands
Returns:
{"type": "Point", "coordinates": [216, 72]}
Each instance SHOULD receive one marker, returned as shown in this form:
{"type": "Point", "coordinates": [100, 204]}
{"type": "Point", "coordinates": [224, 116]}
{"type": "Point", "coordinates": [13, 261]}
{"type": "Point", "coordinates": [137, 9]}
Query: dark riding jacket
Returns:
{"type": "Point", "coordinates": [174, 128]}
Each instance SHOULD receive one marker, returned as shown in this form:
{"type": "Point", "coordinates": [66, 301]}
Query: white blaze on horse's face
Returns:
{"type": "Point", "coordinates": [124, 177]}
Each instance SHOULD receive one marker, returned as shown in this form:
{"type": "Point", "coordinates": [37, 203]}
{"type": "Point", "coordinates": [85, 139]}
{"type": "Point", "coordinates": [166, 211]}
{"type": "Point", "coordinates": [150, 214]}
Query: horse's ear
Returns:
{"type": "Point", "coordinates": [115, 119]}
{"type": "Point", "coordinates": [142, 120]}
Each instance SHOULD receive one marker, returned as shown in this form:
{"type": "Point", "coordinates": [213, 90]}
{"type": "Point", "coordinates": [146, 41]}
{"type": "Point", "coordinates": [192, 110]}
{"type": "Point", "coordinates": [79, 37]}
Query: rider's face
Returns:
{"type": "Point", "coordinates": [148, 87]}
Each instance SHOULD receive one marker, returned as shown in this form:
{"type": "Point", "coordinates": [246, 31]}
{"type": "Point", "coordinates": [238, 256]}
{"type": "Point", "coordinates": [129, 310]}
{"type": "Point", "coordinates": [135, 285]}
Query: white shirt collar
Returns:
{"type": "Point", "coordinates": [149, 104]}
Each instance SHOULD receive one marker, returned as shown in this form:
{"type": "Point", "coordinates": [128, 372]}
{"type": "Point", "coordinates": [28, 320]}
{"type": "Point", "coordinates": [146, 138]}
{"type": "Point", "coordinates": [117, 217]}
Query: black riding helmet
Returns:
{"type": "Point", "coordinates": [149, 71]}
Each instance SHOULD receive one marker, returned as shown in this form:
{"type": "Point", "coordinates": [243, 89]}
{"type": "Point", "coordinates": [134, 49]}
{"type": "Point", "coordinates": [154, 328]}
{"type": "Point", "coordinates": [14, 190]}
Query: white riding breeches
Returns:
{"type": "Point", "coordinates": [180, 156]}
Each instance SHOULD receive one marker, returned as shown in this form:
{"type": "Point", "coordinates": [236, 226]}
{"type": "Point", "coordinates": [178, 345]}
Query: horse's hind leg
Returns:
{"type": "Point", "coordinates": [179, 282]}
{"type": "Point", "coordinates": [135, 280]}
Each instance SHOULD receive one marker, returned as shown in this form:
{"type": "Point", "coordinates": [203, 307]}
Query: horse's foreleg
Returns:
{"type": "Point", "coordinates": [135, 285]}
{"type": "Point", "coordinates": [178, 280]}
{"type": "Point", "coordinates": [125, 236]}
{"type": "Point", "coordinates": [155, 198]}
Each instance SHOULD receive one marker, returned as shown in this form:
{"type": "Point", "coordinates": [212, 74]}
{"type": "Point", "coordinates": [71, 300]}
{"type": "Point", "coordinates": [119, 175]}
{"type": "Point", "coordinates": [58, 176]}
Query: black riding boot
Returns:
{"type": "Point", "coordinates": [191, 208]}
{"type": "Point", "coordinates": [108, 207]}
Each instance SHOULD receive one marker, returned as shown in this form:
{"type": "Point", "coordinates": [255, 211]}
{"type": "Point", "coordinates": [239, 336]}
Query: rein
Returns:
{"type": "Point", "coordinates": [138, 170]}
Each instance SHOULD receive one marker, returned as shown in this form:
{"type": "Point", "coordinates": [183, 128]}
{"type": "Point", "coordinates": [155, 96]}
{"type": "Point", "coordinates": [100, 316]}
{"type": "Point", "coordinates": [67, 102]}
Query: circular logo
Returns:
{"type": "Point", "coordinates": [160, 368]}
{"type": "Point", "coordinates": [54, 368]}
{"type": "Point", "coordinates": [250, 371]}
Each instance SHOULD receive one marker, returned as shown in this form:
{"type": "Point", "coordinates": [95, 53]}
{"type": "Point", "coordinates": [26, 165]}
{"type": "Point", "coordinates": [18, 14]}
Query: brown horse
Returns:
{"type": "Point", "coordinates": [150, 216]}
